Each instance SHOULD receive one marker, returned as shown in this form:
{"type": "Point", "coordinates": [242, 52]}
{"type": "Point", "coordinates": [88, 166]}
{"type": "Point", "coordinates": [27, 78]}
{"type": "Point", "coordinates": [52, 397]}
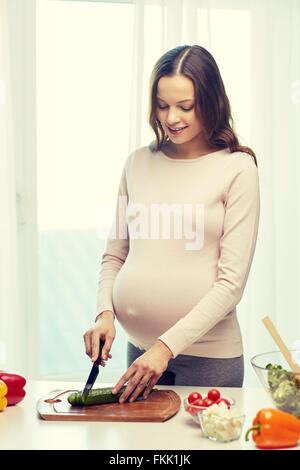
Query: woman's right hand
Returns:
{"type": "Point", "coordinates": [103, 328]}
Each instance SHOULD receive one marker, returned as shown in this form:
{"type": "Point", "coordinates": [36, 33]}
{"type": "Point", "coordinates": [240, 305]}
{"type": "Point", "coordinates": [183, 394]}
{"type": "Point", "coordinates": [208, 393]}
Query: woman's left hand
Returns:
{"type": "Point", "coordinates": [144, 372]}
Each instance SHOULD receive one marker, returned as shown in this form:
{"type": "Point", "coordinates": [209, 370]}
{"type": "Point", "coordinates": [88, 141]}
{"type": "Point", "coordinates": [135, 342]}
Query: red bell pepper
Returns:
{"type": "Point", "coordinates": [15, 387]}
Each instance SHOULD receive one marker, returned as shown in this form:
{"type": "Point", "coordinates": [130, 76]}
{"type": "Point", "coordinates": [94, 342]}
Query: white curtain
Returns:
{"type": "Point", "coordinates": [9, 299]}
{"type": "Point", "coordinates": [256, 44]}
{"type": "Point", "coordinates": [18, 247]}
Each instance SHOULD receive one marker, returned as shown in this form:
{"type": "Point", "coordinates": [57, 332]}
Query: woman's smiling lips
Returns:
{"type": "Point", "coordinates": [176, 132]}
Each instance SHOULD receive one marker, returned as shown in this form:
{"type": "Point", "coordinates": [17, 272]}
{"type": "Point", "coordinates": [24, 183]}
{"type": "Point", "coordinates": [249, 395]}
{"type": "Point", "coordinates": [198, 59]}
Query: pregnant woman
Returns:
{"type": "Point", "coordinates": [180, 250]}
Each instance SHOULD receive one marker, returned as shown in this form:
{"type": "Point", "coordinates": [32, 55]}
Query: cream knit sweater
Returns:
{"type": "Point", "coordinates": [179, 252]}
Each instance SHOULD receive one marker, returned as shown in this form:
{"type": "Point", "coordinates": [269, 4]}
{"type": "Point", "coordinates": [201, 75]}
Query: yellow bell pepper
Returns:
{"type": "Point", "coordinates": [3, 392]}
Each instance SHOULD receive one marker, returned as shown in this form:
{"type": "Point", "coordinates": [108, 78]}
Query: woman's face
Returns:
{"type": "Point", "coordinates": [176, 109]}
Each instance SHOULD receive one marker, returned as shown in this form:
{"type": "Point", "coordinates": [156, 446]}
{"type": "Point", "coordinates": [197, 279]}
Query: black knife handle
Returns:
{"type": "Point", "coordinates": [98, 361]}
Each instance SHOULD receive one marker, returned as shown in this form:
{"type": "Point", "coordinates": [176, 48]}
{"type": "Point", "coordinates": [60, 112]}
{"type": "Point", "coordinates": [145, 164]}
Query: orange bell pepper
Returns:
{"type": "Point", "coordinates": [274, 429]}
{"type": "Point", "coordinates": [3, 392]}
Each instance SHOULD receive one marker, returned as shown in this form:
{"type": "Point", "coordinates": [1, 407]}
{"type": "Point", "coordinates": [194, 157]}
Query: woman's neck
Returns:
{"type": "Point", "coordinates": [187, 150]}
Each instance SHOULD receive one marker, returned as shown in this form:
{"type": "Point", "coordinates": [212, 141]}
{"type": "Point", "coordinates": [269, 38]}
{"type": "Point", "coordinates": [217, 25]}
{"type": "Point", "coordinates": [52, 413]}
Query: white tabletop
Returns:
{"type": "Point", "coordinates": [22, 429]}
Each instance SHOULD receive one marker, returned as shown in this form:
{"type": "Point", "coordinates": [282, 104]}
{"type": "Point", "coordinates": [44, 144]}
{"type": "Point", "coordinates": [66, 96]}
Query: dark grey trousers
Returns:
{"type": "Point", "coordinates": [197, 371]}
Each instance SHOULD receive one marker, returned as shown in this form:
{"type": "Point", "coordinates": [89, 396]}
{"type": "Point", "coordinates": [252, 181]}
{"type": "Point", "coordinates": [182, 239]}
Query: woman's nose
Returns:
{"type": "Point", "coordinates": [172, 117]}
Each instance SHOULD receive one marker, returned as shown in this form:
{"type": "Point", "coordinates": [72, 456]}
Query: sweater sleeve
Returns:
{"type": "Point", "coordinates": [237, 245]}
{"type": "Point", "coordinates": [115, 254]}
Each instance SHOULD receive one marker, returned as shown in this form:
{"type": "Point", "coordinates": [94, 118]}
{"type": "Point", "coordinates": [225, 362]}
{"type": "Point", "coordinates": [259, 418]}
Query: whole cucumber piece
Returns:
{"type": "Point", "coordinates": [97, 396]}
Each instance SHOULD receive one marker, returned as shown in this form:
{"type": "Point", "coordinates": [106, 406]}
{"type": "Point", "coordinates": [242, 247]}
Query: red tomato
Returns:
{"type": "Point", "coordinates": [199, 402]}
{"type": "Point", "coordinates": [220, 400]}
{"type": "Point", "coordinates": [194, 396]}
{"type": "Point", "coordinates": [213, 394]}
{"type": "Point", "coordinates": [207, 401]}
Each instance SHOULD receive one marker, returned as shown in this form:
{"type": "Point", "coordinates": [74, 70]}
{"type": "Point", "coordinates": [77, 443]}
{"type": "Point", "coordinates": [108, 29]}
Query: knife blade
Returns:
{"type": "Point", "coordinates": [94, 372]}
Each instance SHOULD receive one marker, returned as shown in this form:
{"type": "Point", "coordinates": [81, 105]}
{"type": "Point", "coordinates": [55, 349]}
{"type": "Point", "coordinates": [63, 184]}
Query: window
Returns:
{"type": "Point", "coordinates": [84, 75]}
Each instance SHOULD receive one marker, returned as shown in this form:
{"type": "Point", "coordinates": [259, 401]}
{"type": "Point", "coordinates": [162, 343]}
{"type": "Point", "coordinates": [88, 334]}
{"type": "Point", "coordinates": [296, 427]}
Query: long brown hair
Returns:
{"type": "Point", "coordinates": [212, 103]}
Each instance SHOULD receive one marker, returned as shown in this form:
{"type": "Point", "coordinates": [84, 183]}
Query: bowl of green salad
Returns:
{"type": "Point", "coordinates": [281, 384]}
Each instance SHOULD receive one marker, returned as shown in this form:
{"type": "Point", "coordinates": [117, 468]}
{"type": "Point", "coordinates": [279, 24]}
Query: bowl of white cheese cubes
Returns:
{"type": "Point", "coordinates": [221, 424]}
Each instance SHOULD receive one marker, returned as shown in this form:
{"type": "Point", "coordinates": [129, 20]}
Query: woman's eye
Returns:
{"type": "Point", "coordinates": [184, 109]}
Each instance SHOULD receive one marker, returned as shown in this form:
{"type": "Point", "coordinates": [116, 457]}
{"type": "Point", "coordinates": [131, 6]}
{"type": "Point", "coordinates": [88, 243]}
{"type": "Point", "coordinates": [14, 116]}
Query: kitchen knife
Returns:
{"type": "Point", "coordinates": [94, 372]}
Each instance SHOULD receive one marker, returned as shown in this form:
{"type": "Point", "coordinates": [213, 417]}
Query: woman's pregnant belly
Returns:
{"type": "Point", "coordinates": [148, 301]}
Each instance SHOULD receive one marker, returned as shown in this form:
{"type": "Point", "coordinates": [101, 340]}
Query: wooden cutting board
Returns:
{"type": "Point", "coordinates": [159, 406]}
